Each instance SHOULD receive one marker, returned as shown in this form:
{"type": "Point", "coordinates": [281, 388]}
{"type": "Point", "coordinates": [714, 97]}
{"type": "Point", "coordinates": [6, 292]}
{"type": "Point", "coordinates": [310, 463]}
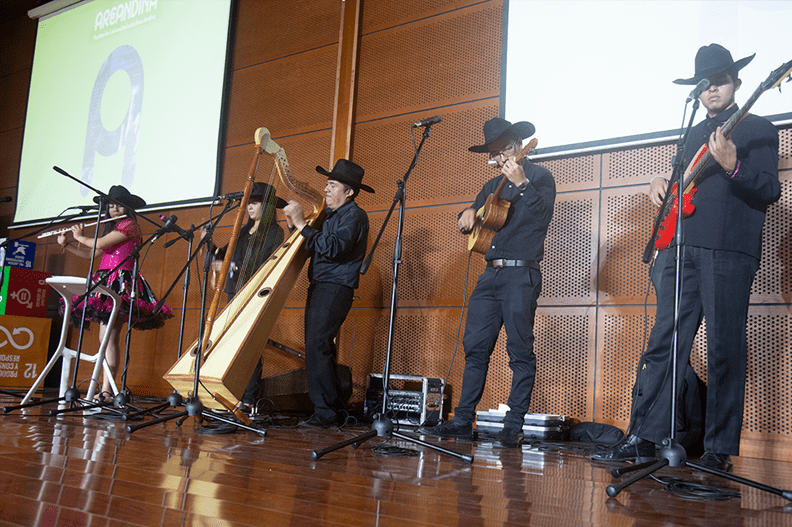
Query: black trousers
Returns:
{"type": "Point", "coordinates": [505, 296]}
{"type": "Point", "coordinates": [326, 309]}
{"type": "Point", "coordinates": [716, 286]}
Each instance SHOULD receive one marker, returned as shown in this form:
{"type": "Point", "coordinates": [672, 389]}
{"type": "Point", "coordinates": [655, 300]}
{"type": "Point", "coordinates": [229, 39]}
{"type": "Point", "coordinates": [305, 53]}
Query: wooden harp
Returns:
{"type": "Point", "coordinates": [231, 348]}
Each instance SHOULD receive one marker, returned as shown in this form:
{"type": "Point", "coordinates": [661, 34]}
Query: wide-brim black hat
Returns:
{"type": "Point", "coordinates": [120, 194]}
{"type": "Point", "coordinates": [713, 60]}
{"type": "Point", "coordinates": [496, 128]}
{"type": "Point", "coordinates": [347, 172]}
{"type": "Point", "coordinates": [260, 190]}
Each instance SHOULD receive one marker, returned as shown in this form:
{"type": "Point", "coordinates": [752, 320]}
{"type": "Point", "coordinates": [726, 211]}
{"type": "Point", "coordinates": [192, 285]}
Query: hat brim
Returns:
{"type": "Point", "coordinates": [739, 64]}
{"type": "Point", "coordinates": [132, 201]}
{"type": "Point", "coordinates": [279, 202]}
{"type": "Point", "coordinates": [342, 179]}
{"type": "Point", "coordinates": [521, 129]}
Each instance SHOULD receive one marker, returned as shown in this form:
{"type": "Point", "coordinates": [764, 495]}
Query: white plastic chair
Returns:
{"type": "Point", "coordinates": [69, 287]}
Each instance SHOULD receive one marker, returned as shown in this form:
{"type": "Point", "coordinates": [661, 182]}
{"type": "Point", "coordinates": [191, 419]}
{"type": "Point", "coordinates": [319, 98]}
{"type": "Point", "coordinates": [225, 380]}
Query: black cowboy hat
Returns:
{"type": "Point", "coordinates": [347, 172]}
{"type": "Point", "coordinates": [713, 60]}
{"type": "Point", "coordinates": [263, 189]}
{"type": "Point", "coordinates": [119, 194]}
{"type": "Point", "coordinates": [496, 128]}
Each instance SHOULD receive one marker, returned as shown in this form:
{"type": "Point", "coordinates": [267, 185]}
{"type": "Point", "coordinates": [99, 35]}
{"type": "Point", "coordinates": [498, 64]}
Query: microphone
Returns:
{"type": "Point", "coordinates": [85, 208]}
{"type": "Point", "coordinates": [59, 169]}
{"type": "Point", "coordinates": [231, 196]}
{"type": "Point", "coordinates": [165, 228]}
{"type": "Point", "coordinates": [427, 122]}
{"type": "Point", "coordinates": [698, 90]}
{"type": "Point", "coordinates": [6, 199]}
{"type": "Point", "coordinates": [172, 226]}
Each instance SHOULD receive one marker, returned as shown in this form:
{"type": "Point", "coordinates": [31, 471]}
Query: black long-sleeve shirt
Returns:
{"type": "Point", "coordinates": [523, 234]}
{"type": "Point", "coordinates": [730, 211]}
{"type": "Point", "coordinates": [337, 250]}
{"type": "Point", "coordinates": [270, 241]}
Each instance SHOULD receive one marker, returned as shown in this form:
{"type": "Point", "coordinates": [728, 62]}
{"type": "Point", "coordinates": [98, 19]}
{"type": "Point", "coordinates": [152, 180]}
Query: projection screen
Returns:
{"type": "Point", "coordinates": [594, 74]}
{"type": "Point", "coordinates": [125, 92]}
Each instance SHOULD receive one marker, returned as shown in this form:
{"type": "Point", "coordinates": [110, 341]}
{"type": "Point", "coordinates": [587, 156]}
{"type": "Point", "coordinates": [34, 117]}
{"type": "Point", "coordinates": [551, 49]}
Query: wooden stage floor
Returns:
{"type": "Point", "coordinates": [69, 471]}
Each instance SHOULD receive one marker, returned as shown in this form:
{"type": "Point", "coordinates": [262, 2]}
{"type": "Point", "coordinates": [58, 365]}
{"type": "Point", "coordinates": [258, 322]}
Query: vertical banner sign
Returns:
{"type": "Point", "coordinates": [23, 349]}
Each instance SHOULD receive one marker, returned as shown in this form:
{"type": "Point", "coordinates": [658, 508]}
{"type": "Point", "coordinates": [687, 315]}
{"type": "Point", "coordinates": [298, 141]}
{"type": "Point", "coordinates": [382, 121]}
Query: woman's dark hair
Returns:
{"type": "Point", "coordinates": [110, 226]}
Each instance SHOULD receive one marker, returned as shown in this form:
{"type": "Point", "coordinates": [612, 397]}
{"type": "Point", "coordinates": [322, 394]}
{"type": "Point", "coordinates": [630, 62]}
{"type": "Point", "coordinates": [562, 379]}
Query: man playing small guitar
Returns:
{"type": "Point", "coordinates": [507, 290]}
{"type": "Point", "coordinates": [720, 256]}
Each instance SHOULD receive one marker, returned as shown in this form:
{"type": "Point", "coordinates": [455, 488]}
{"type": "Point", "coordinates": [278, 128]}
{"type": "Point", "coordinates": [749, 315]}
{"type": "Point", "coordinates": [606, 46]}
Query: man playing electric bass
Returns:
{"type": "Point", "coordinates": [722, 247]}
{"type": "Point", "coordinates": [507, 291]}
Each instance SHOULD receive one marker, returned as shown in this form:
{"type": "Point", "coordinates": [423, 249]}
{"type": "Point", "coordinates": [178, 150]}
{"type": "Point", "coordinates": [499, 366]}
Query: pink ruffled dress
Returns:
{"type": "Point", "coordinates": [99, 306]}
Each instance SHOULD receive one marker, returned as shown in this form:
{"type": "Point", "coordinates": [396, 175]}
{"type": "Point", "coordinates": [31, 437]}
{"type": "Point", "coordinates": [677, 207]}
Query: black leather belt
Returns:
{"type": "Point", "coordinates": [500, 262]}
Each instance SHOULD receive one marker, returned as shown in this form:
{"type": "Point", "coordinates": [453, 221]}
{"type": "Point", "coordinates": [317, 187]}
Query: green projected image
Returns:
{"type": "Point", "coordinates": [124, 92]}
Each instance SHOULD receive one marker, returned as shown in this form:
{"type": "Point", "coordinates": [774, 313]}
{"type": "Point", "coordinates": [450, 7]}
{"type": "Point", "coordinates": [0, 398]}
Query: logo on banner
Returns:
{"type": "Point", "coordinates": [9, 338]}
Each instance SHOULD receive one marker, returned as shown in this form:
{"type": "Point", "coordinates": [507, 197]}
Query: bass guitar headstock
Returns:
{"type": "Point", "coordinates": [777, 76]}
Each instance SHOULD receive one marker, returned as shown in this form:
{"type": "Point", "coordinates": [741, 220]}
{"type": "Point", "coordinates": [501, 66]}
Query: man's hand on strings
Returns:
{"type": "Point", "coordinates": [467, 220]}
{"type": "Point", "coordinates": [723, 150]}
{"type": "Point", "coordinates": [295, 217]}
{"type": "Point", "coordinates": [657, 190]}
{"type": "Point", "coordinates": [514, 172]}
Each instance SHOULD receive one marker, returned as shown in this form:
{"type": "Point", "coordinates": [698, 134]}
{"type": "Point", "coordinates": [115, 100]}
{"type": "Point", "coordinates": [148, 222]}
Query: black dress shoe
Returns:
{"type": "Point", "coordinates": [631, 448]}
{"type": "Point", "coordinates": [715, 461]}
{"type": "Point", "coordinates": [508, 438]}
{"type": "Point", "coordinates": [449, 429]}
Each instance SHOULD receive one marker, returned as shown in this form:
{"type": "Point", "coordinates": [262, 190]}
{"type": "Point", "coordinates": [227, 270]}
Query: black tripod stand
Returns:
{"type": "Point", "coordinates": [672, 453]}
{"type": "Point", "coordinates": [383, 425]}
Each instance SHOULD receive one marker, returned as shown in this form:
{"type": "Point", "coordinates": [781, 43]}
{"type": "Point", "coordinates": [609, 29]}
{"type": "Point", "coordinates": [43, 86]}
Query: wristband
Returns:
{"type": "Point", "coordinates": [734, 172]}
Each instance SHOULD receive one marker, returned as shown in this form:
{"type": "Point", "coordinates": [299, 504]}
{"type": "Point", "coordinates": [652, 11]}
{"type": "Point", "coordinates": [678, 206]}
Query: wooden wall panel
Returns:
{"type": "Point", "coordinates": [12, 106]}
{"type": "Point", "coordinates": [17, 39]}
{"type": "Point", "coordinates": [450, 58]}
{"type": "Point", "coordinates": [380, 14]}
{"type": "Point", "coordinates": [291, 95]}
{"type": "Point", "coordinates": [266, 31]}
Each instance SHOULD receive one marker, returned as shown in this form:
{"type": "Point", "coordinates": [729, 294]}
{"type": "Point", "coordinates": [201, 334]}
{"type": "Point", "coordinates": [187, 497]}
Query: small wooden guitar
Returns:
{"type": "Point", "coordinates": [666, 216]}
{"type": "Point", "coordinates": [492, 215]}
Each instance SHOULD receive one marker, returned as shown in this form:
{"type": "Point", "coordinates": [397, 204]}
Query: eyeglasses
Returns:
{"type": "Point", "coordinates": [505, 152]}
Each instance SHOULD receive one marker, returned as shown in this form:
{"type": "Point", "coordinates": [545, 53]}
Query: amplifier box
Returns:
{"type": "Point", "coordinates": [412, 400]}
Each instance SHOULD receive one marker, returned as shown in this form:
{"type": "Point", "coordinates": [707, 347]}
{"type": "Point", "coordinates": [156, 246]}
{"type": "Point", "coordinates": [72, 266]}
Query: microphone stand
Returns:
{"type": "Point", "coordinates": [382, 425]}
{"type": "Point", "coordinates": [672, 453]}
{"type": "Point", "coordinates": [192, 405]}
{"type": "Point", "coordinates": [175, 399]}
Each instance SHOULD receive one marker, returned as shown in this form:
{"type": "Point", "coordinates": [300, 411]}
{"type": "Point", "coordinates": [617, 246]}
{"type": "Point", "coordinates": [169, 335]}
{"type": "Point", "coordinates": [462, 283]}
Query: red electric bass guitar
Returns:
{"type": "Point", "coordinates": [666, 216]}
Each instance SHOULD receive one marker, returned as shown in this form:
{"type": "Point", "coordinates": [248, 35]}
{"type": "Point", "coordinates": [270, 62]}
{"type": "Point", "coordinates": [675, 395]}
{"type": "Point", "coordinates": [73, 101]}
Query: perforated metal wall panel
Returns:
{"type": "Point", "coordinates": [773, 282]}
{"type": "Point", "coordinates": [574, 173]}
{"type": "Point", "coordinates": [625, 226]}
{"type": "Point", "coordinates": [636, 165]}
{"type": "Point", "coordinates": [568, 270]}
